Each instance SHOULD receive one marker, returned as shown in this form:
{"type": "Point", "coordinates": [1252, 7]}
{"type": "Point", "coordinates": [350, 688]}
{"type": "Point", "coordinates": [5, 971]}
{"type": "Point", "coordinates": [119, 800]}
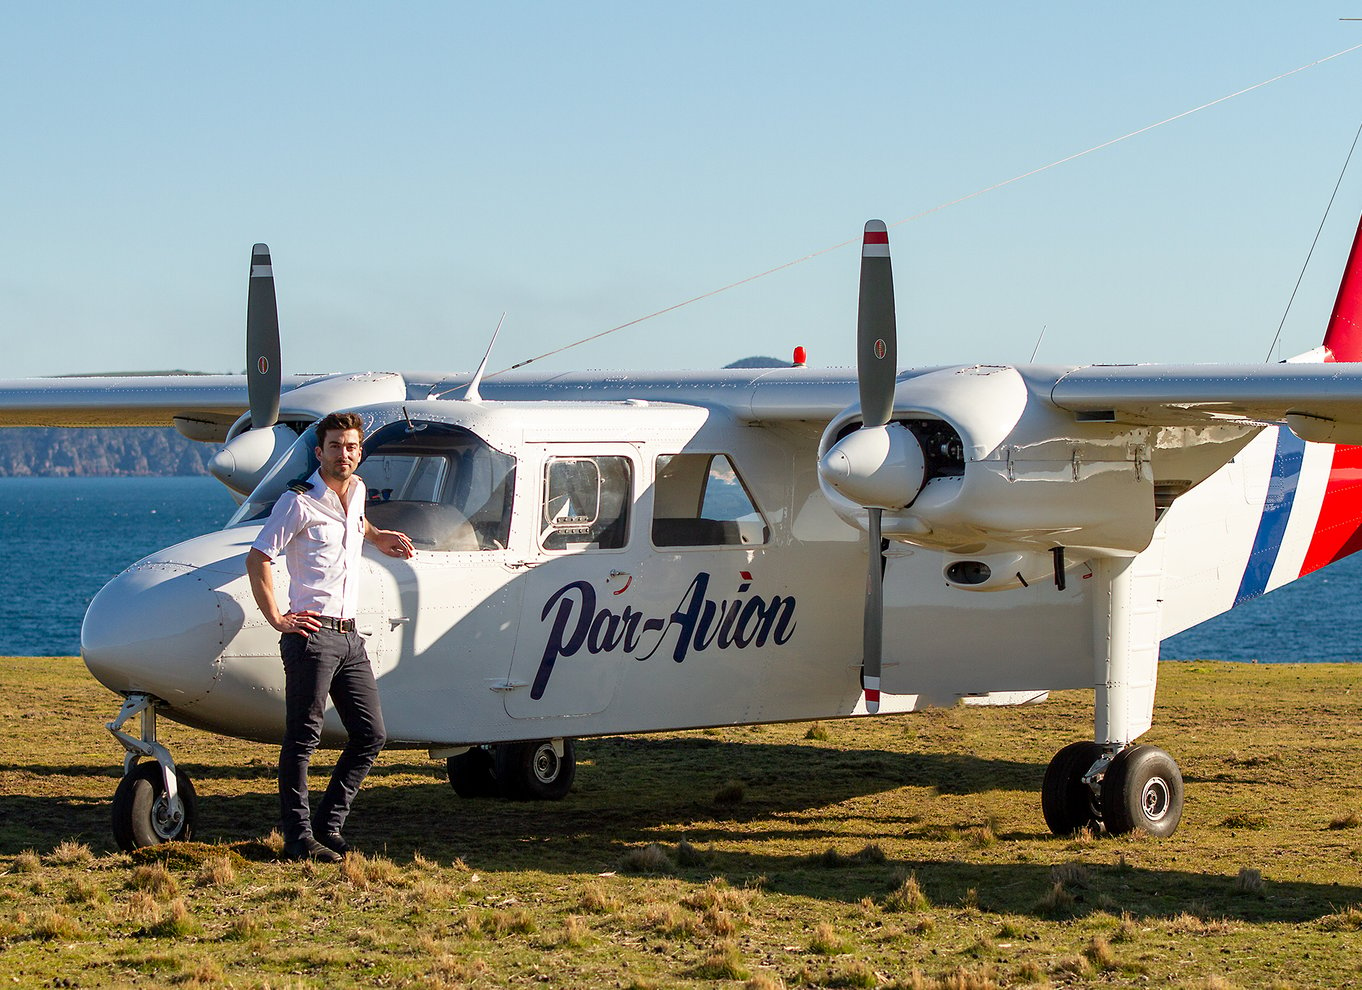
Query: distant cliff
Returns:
{"type": "Point", "coordinates": [53, 452]}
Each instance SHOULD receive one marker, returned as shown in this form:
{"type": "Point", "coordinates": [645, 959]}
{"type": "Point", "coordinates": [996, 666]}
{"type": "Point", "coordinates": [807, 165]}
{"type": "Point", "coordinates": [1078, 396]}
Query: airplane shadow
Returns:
{"type": "Point", "coordinates": [631, 791]}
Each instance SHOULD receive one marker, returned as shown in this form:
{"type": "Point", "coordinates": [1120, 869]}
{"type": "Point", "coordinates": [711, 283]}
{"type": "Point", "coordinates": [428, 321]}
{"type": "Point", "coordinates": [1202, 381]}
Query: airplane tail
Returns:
{"type": "Point", "coordinates": [1343, 338]}
{"type": "Point", "coordinates": [1289, 507]}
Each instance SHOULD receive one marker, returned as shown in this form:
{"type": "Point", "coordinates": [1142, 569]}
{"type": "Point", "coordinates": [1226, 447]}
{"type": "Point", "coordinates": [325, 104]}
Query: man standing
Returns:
{"type": "Point", "coordinates": [319, 530]}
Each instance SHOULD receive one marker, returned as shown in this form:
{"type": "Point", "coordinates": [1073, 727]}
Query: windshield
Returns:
{"type": "Point", "coordinates": [442, 485]}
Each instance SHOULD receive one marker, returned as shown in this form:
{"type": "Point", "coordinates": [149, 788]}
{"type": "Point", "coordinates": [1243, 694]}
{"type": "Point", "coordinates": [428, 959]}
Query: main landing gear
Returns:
{"type": "Point", "coordinates": [522, 771]}
{"type": "Point", "coordinates": [1138, 788]}
{"type": "Point", "coordinates": [155, 800]}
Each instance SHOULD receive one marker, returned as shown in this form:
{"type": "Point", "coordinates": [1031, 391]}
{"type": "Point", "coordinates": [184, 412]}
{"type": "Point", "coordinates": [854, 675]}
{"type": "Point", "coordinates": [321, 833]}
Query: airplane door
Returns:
{"type": "Point", "coordinates": [588, 546]}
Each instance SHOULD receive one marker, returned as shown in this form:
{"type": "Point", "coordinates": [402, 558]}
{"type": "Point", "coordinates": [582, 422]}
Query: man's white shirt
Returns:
{"type": "Point", "coordinates": [321, 542]}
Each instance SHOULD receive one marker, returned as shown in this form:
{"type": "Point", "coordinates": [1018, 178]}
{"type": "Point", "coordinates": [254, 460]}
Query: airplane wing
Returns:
{"type": "Point", "coordinates": [202, 407]}
{"type": "Point", "coordinates": [1321, 399]}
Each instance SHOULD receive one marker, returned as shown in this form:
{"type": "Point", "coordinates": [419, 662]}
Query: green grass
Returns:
{"type": "Point", "coordinates": [895, 852]}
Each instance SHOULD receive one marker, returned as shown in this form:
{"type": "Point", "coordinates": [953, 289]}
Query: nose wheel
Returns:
{"type": "Point", "coordinates": [1137, 789]}
{"type": "Point", "coordinates": [155, 800]}
{"type": "Point", "coordinates": [145, 813]}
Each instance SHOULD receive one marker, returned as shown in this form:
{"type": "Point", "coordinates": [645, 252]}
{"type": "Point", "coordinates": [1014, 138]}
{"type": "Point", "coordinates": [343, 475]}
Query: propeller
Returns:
{"type": "Point", "coordinates": [876, 368]}
{"type": "Point", "coordinates": [263, 376]}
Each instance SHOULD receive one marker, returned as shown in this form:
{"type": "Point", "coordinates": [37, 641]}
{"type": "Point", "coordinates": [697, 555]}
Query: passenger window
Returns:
{"type": "Point", "coordinates": [586, 503]}
{"type": "Point", "coordinates": [700, 501]}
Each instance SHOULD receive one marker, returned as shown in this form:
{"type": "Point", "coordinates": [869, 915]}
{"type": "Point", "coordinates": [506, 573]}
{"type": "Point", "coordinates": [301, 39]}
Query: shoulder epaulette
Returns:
{"type": "Point", "coordinates": [300, 485]}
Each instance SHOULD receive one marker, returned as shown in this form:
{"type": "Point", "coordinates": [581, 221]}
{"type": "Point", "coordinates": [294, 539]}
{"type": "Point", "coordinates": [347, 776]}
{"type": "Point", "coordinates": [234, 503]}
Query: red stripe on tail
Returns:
{"type": "Point", "coordinates": [1338, 532]}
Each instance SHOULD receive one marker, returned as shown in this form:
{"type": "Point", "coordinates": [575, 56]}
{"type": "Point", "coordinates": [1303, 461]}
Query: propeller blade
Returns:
{"type": "Point", "coordinates": [876, 336]}
{"type": "Point", "coordinates": [262, 342]}
{"type": "Point", "coordinates": [874, 615]}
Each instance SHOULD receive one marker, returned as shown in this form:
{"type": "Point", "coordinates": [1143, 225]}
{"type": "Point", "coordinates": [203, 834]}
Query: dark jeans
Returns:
{"type": "Point", "coordinates": [334, 663]}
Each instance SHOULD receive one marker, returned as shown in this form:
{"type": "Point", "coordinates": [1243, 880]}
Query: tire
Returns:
{"type": "Point", "coordinates": [531, 771]}
{"type": "Point", "coordinates": [1068, 803]}
{"type": "Point", "coordinates": [141, 816]}
{"type": "Point", "coordinates": [471, 774]}
{"type": "Point", "coordinates": [1142, 791]}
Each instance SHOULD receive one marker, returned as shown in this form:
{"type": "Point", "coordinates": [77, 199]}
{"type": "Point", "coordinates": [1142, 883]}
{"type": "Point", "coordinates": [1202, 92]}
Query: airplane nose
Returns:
{"type": "Point", "coordinates": [156, 628]}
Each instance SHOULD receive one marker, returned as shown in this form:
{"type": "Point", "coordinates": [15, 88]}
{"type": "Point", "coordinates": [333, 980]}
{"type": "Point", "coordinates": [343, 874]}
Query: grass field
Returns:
{"type": "Point", "coordinates": [899, 852]}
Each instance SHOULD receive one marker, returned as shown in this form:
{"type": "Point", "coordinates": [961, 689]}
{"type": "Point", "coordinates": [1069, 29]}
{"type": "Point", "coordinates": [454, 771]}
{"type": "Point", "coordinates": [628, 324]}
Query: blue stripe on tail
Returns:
{"type": "Point", "coordinates": [1281, 495]}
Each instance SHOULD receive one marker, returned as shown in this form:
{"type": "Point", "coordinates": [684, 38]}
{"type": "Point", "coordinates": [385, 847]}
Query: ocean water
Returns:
{"type": "Point", "coordinates": [61, 539]}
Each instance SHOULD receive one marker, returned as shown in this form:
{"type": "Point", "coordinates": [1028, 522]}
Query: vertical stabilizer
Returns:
{"type": "Point", "coordinates": [1343, 338]}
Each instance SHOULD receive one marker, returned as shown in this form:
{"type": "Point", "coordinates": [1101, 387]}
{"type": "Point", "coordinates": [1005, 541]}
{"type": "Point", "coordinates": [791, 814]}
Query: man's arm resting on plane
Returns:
{"type": "Point", "coordinates": [390, 541]}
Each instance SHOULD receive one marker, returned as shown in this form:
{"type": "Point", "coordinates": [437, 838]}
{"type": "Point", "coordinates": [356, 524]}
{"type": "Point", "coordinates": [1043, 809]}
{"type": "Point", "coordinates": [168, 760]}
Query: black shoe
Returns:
{"type": "Point", "coordinates": [335, 842]}
{"type": "Point", "coordinates": [309, 848]}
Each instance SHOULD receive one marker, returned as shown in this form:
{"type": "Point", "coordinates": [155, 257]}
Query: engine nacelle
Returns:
{"type": "Point", "coordinates": [1003, 470]}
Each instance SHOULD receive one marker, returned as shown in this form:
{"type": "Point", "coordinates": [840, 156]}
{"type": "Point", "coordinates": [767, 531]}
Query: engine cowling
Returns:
{"type": "Point", "coordinates": [1001, 470]}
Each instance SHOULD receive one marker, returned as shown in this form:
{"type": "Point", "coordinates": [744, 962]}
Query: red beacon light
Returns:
{"type": "Point", "coordinates": [801, 357]}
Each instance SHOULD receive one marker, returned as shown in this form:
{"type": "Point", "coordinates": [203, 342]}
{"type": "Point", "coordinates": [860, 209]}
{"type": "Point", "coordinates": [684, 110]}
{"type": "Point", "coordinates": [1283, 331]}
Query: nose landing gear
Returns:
{"type": "Point", "coordinates": [155, 801]}
{"type": "Point", "coordinates": [1138, 788]}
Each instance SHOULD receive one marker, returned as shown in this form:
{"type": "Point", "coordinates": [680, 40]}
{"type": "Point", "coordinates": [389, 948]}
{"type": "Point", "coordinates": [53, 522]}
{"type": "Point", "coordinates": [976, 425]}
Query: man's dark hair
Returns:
{"type": "Point", "coordinates": [339, 421]}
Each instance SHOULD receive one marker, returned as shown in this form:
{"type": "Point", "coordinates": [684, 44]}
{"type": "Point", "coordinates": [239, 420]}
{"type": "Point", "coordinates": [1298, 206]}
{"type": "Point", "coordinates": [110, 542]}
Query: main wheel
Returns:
{"type": "Point", "coordinates": [1142, 790]}
{"type": "Point", "coordinates": [1068, 803]}
{"type": "Point", "coordinates": [532, 771]}
{"type": "Point", "coordinates": [143, 815]}
{"type": "Point", "coordinates": [471, 774]}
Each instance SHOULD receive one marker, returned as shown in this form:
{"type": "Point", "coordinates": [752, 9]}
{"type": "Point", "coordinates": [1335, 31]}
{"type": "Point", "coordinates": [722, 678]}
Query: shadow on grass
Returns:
{"type": "Point", "coordinates": [634, 791]}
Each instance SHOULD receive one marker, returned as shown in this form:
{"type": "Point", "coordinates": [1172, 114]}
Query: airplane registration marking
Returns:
{"type": "Point", "coordinates": [700, 621]}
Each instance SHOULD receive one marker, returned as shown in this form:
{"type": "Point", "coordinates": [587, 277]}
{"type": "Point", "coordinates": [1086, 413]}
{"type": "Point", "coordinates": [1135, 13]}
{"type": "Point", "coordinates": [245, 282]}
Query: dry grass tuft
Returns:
{"type": "Point", "coordinates": [718, 895]}
{"type": "Point", "coordinates": [576, 932]}
{"type": "Point", "coordinates": [1245, 821]}
{"type": "Point", "coordinates": [689, 856]}
{"type": "Point", "coordinates": [86, 891]}
{"type": "Point", "coordinates": [724, 962]}
{"type": "Point", "coordinates": [651, 858]}
{"type": "Point", "coordinates": [906, 897]}
{"type": "Point", "coordinates": [1191, 924]}
{"type": "Point", "coordinates": [244, 928]}
{"type": "Point", "coordinates": [1056, 901]}
{"type": "Point", "coordinates": [176, 922]}
{"type": "Point", "coordinates": [596, 899]}
{"type": "Point", "coordinates": [670, 920]}
{"type": "Point", "coordinates": [216, 872]}
{"type": "Point", "coordinates": [1071, 874]}
{"type": "Point", "coordinates": [764, 981]}
{"type": "Point", "coordinates": [1351, 820]}
{"type": "Point", "coordinates": [732, 792]}
{"type": "Point", "coordinates": [363, 872]}
{"type": "Point", "coordinates": [155, 879]}
{"type": "Point", "coordinates": [27, 861]}
{"type": "Point", "coordinates": [1100, 954]}
{"type": "Point", "coordinates": [817, 732]}
{"type": "Point", "coordinates": [827, 941]}
{"type": "Point", "coordinates": [53, 926]}
{"type": "Point", "coordinates": [1249, 881]}
{"type": "Point", "coordinates": [70, 853]}
{"type": "Point", "coordinates": [856, 973]}
{"type": "Point", "coordinates": [1347, 920]}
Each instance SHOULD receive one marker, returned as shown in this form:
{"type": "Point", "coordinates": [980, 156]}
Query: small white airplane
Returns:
{"type": "Point", "coordinates": [625, 553]}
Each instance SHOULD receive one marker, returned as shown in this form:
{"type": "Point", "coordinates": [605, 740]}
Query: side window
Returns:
{"type": "Point", "coordinates": [586, 503]}
{"type": "Point", "coordinates": [700, 501]}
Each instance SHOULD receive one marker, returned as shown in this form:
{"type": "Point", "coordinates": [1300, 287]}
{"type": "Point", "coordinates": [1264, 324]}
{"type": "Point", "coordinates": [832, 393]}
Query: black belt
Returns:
{"type": "Point", "coordinates": [340, 625]}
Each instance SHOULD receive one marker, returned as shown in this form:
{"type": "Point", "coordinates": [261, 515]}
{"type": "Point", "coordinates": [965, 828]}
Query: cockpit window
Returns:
{"type": "Point", "coordinates": [440, 484]}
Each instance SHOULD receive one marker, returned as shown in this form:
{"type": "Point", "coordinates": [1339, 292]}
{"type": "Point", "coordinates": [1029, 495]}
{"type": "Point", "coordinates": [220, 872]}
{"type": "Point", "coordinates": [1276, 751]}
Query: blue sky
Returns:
{"type": "Point", "coordinates": [418, 169]}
